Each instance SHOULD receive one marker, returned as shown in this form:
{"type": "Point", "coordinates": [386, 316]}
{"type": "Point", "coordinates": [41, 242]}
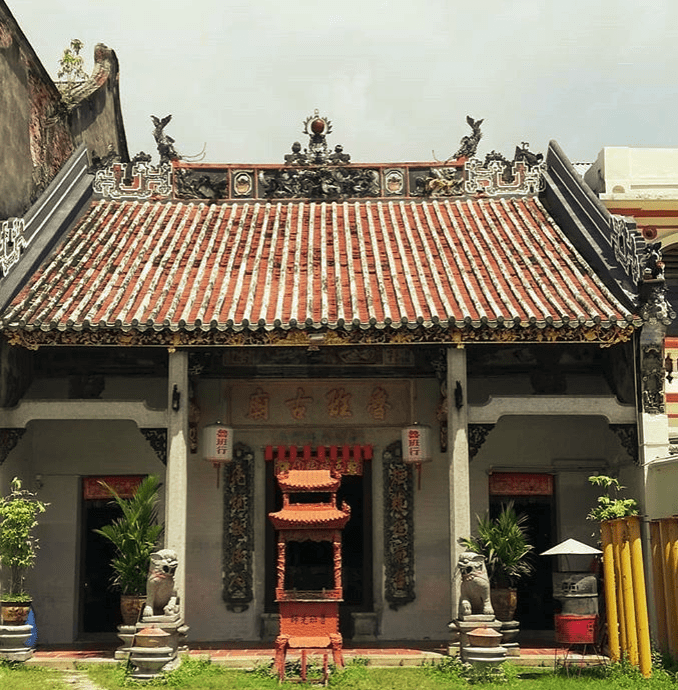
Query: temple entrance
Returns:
{"type": "Point", "coordinates": [313, 562]}
{"type": "Point", "coordinates": [535, 594]}
{"type": "Point", "coordinates": [99, 603]}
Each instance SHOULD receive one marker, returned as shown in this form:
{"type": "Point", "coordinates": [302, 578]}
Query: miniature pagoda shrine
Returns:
{"type": "Point", "coordinates": [309, 583]}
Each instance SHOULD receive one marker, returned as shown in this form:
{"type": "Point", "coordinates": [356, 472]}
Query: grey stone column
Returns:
{"type": "Point", "coordinates": [458, 459]}
{"type": "Point", "coordinates": [177, 465]}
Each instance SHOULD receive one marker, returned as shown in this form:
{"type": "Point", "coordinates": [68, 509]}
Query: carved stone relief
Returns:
{"type": "Point", "coordinates": [8, 440]}
{"type": "Point", "coordinates": [238, 546]}
{"type": "Point", "coordinates": [652, 379]}
{"type": "Point", "coordinates": [628, 437]}
{"type": "Point", "coordinates": [157, 439]}
{"type": "Point", "coordinates": [398, 528]}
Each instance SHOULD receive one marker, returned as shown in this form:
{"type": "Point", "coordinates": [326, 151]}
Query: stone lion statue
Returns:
{"type": "Point", "coordinates": [161, 596]}
{"type": "Point", "coordinates": [475, 585]}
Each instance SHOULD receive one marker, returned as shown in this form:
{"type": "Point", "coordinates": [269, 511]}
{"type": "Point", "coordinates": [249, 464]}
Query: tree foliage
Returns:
{"type": "Point", "coordinates": [134, 535]}
{"type": "Point", "coordinates": [18, 544]}
{"type": "Point", "coordinates": [610, 504]}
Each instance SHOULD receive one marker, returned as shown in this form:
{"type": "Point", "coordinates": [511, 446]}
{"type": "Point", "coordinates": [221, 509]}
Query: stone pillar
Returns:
{"type": "Point", "coordinates": [177, 465]}
{"type": "Point", "coordinates": [458, 460]}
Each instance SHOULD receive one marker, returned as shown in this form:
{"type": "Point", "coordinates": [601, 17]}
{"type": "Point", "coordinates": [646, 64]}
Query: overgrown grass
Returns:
{"type": "Point", "coordinates": [18, 676]}
{"type": "Point", "coordinates": [451, 674]}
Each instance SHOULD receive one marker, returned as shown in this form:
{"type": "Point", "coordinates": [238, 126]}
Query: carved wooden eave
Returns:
{"type": "Point", "coordinates": [293, 337]}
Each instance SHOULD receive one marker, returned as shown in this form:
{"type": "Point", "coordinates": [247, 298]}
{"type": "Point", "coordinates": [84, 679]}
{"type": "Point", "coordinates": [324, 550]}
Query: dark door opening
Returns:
{"type": "Point", "coordinates": [535, 594]}
{"type": "Point", "coordinates": [100, 604]}
{"type": "Point", "coordinates": [356, 551]}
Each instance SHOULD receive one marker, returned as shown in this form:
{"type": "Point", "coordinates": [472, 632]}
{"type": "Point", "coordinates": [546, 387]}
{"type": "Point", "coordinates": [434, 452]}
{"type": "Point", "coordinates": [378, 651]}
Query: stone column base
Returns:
{"type": "Point", "coordinates": [365, 626]}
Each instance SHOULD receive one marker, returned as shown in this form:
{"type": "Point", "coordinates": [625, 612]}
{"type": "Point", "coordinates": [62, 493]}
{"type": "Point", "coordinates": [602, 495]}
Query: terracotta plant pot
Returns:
{"type": "Point", "coordinates": [15, 613]}
{"type": "Point", "coordinates": [504, 602]}
{"type": "Point", "coordinates": [130, 608]}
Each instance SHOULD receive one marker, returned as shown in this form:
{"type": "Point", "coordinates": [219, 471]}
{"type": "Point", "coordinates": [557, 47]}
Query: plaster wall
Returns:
{"type": "Point", "coordinates": [62, 452]}
{"type": "Point", "coordinates": [662, 479]}
{"type": "Point", "coordinates": [571, 448]}
{"type": "Point", "coordinates": [642, 173]}
{"type": "Point", "coordinates": [153, 391]}
{"type": "Point", "coordinates": [16, 186]}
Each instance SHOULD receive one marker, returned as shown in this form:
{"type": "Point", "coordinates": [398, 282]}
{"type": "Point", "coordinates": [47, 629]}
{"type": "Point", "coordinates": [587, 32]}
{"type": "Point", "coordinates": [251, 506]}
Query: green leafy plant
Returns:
{"type": "Point", "coordinates": [18, 544]}
{"type": "Point", "coordinates": [134, 535]}
{"type": "Point", "coordinates": [504, 544]}
{"type": "Point", "coordinates": [610, 504]}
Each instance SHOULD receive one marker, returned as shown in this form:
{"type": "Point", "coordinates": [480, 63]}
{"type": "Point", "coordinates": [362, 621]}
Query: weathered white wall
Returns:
{"type": "Point", "coordinates": [208, 617]}
{"type": "Point", "coordinates": [62, 452]}
{"type": "Point", "coordinates": [572, 448]}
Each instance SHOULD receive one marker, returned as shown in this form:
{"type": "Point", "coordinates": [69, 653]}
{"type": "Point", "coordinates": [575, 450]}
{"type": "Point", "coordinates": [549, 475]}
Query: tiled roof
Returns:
{"type": "Point", "coordinates": [185, 266]}
{"type": "Point", "coordinates": [309, 514]}
{"type": "Point", "coordinates": [308, 480]}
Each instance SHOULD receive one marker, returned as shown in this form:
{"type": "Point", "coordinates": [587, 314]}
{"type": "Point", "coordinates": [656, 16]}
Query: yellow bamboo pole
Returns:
{"type": "Point", "coordinates": [610, 593]}
{"type": "Point", "coordinates": [673, 579]}
{"type": "Point", "coordinates": [669, 588]}
{"type": "Point", "coordinates": [658, 584]}
{"type": "Point", "coordinates": [627, 594]}
{"type": "Point", "coordinates": [639, 596]}
{"type": "Point", "coordinates": [615, 525]}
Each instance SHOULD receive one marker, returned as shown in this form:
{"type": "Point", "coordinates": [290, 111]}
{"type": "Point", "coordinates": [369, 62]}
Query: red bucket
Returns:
{"type": "Point", "coordinates": [572, 629]}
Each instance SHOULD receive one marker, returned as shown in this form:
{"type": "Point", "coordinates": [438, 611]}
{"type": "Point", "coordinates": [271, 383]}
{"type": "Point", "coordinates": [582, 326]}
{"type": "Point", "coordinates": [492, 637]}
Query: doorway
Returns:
{"type": "Point", "coordinates": [535, 593]}
{"type": "Point", "coordinates": [99, 602]}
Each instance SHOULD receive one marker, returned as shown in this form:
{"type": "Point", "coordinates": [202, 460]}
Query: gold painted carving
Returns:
{"type": "Point", "coordinates": [299, 338]}
{"type": "Point", "coordinates": [297, 405]}
{"type": "Point", "coordinates": [258, 407]}
{"type": "Point", "coordinates": [338, 403]}
{"type": "Point", "coordinates": [378, 404]}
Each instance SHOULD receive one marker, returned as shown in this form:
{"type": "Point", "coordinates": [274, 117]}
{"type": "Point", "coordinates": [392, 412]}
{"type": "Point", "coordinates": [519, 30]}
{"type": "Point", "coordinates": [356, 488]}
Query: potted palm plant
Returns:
{"type": "Point", "coordinates": [135, 536]}
{"type": "Point", "coordinates": [18, 545]}
{"type": "Point", "coordinates": [504, 544]}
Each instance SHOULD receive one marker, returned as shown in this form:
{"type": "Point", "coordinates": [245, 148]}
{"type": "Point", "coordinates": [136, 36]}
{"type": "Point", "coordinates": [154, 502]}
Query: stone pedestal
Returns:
{"type": "Point", "coordinates": [463, 626]}
{"type": "Point", "coordinates": [126, 634]}
{"type": "Point", "coordinates": [484, 658]}
{"type": "Point", "coordinates": [364, 626]}
{"type": "Point", "coordinates": [150, 661]}
{"type": "Point", "coordinates": [13, 640]}
{"type": "Point", "coordinates": [270, 626]}
{"type": "Point", "coordinates": [509, 637]}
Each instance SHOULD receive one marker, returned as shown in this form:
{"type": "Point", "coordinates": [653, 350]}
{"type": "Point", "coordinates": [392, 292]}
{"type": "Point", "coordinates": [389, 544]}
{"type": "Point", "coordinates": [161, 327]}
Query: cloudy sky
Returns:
{"type": "Point", "coordinates": [396, 77]}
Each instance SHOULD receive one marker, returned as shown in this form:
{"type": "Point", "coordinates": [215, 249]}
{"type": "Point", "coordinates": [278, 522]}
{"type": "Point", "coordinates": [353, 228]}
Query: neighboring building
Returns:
{"type": "Point", "coordinates": [643, 183]}
{"type": "Point", "coordinates": [319, 307]}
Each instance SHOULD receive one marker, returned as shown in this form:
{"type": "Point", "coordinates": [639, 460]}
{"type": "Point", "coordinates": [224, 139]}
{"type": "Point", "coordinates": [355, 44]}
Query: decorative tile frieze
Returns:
{"type": "Point", "coordinates": [143, 181]}
{"type": "Point", "coordinates": [238, 544]}
{"type": "Point", "coordinates": [398, 528]}
{"type": "Point", "coordinates": [8, 441]}
{"type": "Point", "coordinates": [12, 243]}
{"type": "Point", "coordinates": [157, 438]}
{"type": "Point", "coordinates": [490, 180]}
{"type": "Point", "coordinates": [135, 337]}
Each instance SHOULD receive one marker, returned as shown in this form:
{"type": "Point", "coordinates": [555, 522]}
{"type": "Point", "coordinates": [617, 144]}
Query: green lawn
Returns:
{"type": "Point", "coordinates": [21, 677]}
{"type": "Point", "coordinates": [201, 675]}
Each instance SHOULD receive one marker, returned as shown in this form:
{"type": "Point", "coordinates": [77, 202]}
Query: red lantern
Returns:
{"type": "Point", "coordinates": [217, 441]}
{"type": "Point", "coordinates": [416, 442]}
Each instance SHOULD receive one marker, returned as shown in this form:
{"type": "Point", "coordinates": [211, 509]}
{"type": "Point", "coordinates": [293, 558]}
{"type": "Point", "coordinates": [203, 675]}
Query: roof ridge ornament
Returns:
{"type": "Point", "coordinates": [317, 128]}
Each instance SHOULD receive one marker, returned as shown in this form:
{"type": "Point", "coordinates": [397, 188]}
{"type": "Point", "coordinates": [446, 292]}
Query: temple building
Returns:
{"type": "Point", "coordinates": [316, 308]}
